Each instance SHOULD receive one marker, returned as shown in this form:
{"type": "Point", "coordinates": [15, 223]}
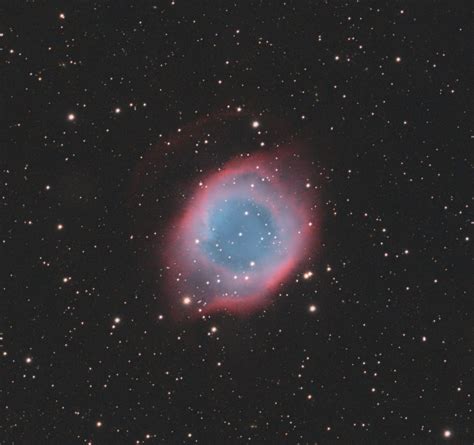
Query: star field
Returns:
{"type": "Point", "coordinates": [115, 120]}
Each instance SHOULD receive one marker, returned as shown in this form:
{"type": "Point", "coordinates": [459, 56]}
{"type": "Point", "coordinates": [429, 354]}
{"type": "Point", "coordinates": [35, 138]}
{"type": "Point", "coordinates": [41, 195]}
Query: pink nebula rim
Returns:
{"type": "Point", "coordinates": [187, 264]}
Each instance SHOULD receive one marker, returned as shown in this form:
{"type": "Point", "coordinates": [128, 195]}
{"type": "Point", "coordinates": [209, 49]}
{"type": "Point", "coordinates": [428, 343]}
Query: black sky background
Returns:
{"type": "Point", "coordinates": [389, 143]}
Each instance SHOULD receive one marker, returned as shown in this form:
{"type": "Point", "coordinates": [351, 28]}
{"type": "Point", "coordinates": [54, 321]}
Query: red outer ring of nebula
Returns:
{"type": "Point", "coordinates": [299, 202]}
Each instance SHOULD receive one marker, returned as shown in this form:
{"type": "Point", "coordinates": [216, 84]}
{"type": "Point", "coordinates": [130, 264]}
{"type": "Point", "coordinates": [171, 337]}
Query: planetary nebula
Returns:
{"type": "Point", "coordinates": [245, 229]}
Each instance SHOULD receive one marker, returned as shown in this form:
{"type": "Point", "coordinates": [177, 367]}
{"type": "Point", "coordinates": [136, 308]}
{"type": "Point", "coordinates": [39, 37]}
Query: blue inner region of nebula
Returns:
{"type": "Point", "coordinates": [241, 235]}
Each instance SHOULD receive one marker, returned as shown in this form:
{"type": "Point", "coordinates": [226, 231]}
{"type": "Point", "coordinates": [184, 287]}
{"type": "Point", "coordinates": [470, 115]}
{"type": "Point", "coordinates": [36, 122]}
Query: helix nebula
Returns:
{"type": "Point", "coordinates": [246, 223]}
{"type": "Point", "coordinates": [241, 235]}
